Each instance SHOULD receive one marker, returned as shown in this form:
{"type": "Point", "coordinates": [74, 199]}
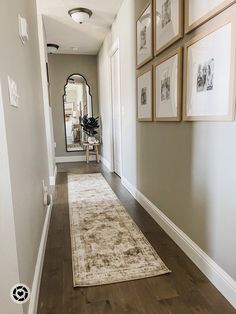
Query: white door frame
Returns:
{"type": "Point", "coordinates": [115, 47]}
{"type": "Point", "coordinates": [52, 170]}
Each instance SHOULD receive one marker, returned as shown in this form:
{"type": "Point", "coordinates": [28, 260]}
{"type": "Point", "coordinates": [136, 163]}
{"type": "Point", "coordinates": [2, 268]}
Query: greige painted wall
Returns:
{"type": "Point", "coordinates": [188, 171]}
{"type": "Point", "coordinates": [60, 68]}
{"type": "Point", "coordinates": [9, 273]}
{"type": "Point", "coordinates": [25, 132]}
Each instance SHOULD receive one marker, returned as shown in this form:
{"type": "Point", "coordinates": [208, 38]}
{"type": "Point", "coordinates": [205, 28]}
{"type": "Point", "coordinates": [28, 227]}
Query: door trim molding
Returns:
{"type": "Point", "coordinates": [115, 47]}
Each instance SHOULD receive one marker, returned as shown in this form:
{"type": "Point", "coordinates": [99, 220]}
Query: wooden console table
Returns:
{"type": "Point", "coordinates": [89, 152]}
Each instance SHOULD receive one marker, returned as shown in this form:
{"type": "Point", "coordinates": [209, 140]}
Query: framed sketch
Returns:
{"type": "Point", "coordinates": [144, 37]}
{"type": "Point", "coordinates": [209, 74]}
{"type": "Point", "coordinates": [198, 12]}
{"type": "Point", "coordinates": [144, 94]}
{"type": "Point", "coordinates": [168, 23]}
{"type": "Point", "coordinates": [167, 87]}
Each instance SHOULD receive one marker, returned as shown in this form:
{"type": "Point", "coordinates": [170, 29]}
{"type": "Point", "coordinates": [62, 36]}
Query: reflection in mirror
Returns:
{"type": "Point", "coordinates": [77, 103]}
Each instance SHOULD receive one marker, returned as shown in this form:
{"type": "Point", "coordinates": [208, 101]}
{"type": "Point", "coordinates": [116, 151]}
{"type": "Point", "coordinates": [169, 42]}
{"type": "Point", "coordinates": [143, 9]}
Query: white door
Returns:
{"type": "Point", "coordinates": [116, 110]}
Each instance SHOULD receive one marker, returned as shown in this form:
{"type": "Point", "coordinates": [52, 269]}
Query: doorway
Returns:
{"type": "Point", "coordinates": [116, 109]}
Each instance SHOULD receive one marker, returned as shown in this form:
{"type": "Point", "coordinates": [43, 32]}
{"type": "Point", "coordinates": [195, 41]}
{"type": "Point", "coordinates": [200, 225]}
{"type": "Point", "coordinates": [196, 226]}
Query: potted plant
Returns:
{"type": "Point", "coordinates": [89, 125]}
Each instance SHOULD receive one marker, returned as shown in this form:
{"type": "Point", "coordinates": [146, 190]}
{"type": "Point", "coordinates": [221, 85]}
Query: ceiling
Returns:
{"type": "Point", "coordinates": [62, 30]}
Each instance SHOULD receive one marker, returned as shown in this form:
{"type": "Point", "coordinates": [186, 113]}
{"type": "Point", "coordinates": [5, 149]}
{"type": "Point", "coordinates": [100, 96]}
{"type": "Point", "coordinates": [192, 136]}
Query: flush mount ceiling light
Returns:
{"type": "Point", "coordinates": [52, 48]}
{"type": "Point", "coordinates": [80, 15]}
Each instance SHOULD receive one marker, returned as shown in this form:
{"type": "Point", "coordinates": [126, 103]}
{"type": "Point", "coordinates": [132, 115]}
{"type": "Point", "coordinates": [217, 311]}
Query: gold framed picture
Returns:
{"type": "Point", "coordinates": [167, 74]}
{"type": "Point", "coordinates": [144, 31]}
{"type": "Point", "coordinates": [198, 12]}
{"type": "Point", "coordinates": [168, 23]}
{"type": "Point", "coordinates": [209, 74]}
{"type": "Point", "coordinates": [144, 94]}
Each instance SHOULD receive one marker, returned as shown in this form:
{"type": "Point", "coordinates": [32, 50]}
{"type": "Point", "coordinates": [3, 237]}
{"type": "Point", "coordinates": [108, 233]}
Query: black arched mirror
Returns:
{"type": "Point", "coordinates": [77, 102]}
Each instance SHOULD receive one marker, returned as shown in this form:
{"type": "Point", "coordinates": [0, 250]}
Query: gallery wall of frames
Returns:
{"type": "Point", "coordinates": [196, 81]}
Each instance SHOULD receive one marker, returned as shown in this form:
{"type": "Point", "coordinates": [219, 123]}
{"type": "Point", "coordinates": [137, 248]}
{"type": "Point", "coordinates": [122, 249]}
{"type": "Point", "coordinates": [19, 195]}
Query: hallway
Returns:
{"type": "Point", "coordinates": [185, 291]}
{"type": "Point", "coordinates": [147, 88]}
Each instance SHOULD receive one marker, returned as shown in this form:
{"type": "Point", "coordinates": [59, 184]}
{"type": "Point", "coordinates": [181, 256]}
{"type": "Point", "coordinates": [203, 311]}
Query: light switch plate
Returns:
{"type": "Point", "coordinates": [23, 29]}
{"type": "Point", "coordinates": [13, 93]}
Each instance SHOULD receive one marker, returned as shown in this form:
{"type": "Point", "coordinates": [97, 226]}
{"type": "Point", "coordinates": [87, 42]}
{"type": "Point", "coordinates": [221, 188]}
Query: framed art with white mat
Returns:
{"type": "Point", "coordinates": [167, 87]}
{"type": "Point", "coordinates": [198, 12]}
{"type": "Point", "coordinates": [144, 30]}
{"type": "Point", "coordinates": [209, 74]}
{"type": "Point", "coordinates": [168, 23]}
{"type": "Point", "coordinates": [144, 94]}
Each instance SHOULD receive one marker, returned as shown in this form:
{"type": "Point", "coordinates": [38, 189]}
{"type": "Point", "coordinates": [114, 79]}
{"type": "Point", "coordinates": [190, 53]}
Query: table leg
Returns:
{"type": "Point", "coordinates": [87, 154]}
{"type": "Point", "coordinates": [97, 155]}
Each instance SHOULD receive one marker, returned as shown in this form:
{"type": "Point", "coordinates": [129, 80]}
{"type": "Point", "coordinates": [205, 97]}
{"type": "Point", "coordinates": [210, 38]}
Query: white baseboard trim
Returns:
{"type": "Point", "coordinates": [219, 278]}
{"type": "Point", "coordinates": [39, 263]}
{"type": "Point", "coordinates": [74, 158]}
{"type": "Point", "coordinates": [52, 179]}
{"type": "Point", "coordinates": [106, 163]}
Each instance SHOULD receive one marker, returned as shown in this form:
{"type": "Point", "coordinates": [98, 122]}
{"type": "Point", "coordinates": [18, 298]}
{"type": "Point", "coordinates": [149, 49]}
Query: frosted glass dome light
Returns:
{"type": "Point", "coordinates": [80, 15]}
{"type": "Point", "coordinates": [52, 48]}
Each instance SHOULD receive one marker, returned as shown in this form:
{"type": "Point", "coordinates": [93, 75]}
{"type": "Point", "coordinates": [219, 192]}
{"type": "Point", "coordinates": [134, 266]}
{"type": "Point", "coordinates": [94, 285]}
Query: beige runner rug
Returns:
{"type": "Point", "coordinates": [107, 246]}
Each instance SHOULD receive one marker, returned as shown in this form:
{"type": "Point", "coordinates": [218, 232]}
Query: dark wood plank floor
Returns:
{"type": "Point", "coordinates": [186, 290]}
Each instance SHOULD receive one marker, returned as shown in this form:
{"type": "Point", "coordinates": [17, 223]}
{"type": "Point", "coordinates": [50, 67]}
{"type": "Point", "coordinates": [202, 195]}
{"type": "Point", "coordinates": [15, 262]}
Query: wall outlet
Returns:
{"type": "Point", "coordinates": [45, 194]}
{"type": "Point", "coordinates": [13, 93]}
{"type": "Point", "coordinates": [23, 29]}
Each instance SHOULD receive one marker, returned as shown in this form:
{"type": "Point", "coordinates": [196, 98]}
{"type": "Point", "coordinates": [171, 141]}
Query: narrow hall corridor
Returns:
{"type": "Point", "coordinates": [185, 291]}
{"type": "Point", "coordinates": [147, 89]}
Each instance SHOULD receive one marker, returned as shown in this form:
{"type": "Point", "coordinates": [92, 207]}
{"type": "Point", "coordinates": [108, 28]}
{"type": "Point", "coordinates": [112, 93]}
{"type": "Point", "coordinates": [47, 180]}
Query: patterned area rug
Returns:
{"type": "Point", "coordinates": [107, 246]}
